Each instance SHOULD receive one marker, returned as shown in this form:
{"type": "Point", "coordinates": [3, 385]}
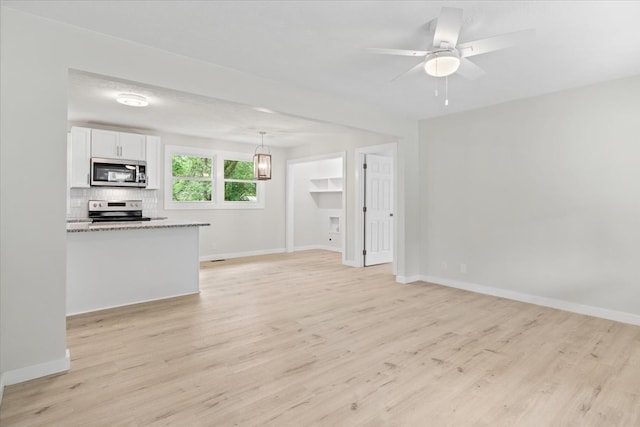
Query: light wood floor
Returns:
{"type": "Point", "coordinates": [299, 340]}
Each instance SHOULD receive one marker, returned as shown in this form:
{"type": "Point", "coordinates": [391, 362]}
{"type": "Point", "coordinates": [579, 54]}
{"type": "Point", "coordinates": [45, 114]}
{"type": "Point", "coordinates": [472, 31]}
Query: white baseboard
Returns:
{"type": "Point", "coordinates": [408, 279]}
{"type": "Point", "coordinates": [218, 257]}
{"type": "Point", "coordinates": [109, 307]}
{"type": "Point", "coordinates": [604, 313]}
{"type": "Point", "coordinates": [1, 387]}
{"type": "Point", "coordinates": [316, 247]}
{"type": "Point", "coordinates": [349, 263]}
{"type": "Point", "coordinates": [27, 373]}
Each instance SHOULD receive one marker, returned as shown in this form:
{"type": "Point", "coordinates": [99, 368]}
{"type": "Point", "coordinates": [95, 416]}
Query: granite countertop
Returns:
{"type": "Point", "coordinates": [78, 226]}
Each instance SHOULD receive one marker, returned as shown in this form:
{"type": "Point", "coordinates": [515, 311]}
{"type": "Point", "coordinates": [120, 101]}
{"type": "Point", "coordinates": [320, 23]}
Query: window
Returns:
{"type": "Point", "coordinates": [239, 185]}
{"type": "Point", "coordinates": [192, 178]}
{"type": "Point", "coordinates": [206, 179]}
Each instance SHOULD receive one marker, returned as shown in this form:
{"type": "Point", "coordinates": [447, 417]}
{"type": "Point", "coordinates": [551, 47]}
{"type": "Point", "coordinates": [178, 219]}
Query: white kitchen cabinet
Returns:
{"type": "Point", "coordinates": [102, 273]}
{"type": "Point", "coordinates": [79, 157]}
{"type": "Point", "coordinates": [154, 160]}
{"type": "Point", "coordinates": [117, 145]}
{"type": "Point", "coordinates": [132, 146]}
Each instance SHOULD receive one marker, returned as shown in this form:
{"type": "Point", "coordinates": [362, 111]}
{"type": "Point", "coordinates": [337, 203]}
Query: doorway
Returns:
{"type": "Point", "coordinates": [315, 201]}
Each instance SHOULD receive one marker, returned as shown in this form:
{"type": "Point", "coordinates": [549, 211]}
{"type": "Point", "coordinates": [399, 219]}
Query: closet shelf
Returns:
{"type": "Point", "coordinates": [325, 185]}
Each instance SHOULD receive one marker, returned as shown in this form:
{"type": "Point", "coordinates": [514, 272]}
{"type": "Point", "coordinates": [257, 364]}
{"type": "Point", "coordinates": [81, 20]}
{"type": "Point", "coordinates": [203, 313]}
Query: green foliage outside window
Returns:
{"type": "Point", "coordinates": [239, 185]}
{"type": "Point", "coordinates": [192, 178]}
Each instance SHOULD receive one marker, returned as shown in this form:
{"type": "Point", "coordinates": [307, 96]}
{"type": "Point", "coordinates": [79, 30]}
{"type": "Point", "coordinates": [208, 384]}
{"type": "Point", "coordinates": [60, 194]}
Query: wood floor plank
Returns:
{"type": "Point", "coordinates": [300, 340]}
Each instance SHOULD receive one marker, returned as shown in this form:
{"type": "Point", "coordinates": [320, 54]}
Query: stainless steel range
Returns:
{"type": "Point", "coordinates": [116, 210]}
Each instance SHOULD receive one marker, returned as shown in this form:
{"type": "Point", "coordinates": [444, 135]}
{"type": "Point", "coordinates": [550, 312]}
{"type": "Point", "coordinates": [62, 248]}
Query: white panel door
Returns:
{"type": "Point", "coordinates": [378, 240]}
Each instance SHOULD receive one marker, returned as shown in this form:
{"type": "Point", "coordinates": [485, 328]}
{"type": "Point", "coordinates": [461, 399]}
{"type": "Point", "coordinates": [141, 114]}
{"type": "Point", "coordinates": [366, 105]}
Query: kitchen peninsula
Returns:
{"type": "Point", "coordinates": [115, 264]}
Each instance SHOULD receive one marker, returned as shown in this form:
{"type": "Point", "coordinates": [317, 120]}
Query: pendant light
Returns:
{"type": "Point", "coordinates": [261, 162]}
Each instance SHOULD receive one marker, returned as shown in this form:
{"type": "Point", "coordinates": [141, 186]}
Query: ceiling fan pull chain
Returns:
{"type": "Point", "coordinates": [446, 91]}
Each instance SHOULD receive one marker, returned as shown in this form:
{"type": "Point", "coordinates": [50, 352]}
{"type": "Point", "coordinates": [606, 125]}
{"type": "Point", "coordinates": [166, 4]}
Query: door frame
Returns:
{"type": "Point", "coordinates": [390, 150]}
{"type": "Point", "coordinates": [290, 211]}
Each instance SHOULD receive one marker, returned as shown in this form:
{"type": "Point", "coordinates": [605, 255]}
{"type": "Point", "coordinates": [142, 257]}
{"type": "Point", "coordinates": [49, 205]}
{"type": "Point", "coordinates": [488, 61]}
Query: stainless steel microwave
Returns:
{"type": "Point", "coordinates": [118, 173]}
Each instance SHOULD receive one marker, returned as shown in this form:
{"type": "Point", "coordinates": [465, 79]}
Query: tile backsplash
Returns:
{"type": "Point", "coordinates": [79, 199]}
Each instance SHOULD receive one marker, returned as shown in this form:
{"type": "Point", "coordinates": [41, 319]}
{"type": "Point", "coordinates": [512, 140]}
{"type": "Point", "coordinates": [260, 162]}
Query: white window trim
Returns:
{"type": "Point", "coordinates": [217, 196]}
{"type": "Point", "coordinates": [260, 187]}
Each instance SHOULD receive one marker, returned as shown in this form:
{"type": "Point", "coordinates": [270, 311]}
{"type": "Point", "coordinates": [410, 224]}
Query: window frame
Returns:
{"type": "Point", "coordinates": [217, 180]}
{"type": "Point", "coordinates": [243, 157]}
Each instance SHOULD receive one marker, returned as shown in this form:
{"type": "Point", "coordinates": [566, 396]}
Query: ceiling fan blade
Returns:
{"type": "Point", "coordinates": [415, 68]}
{"type": "Point", "coordinates": [448, 27]}
{"type": "Point", "coordinates": [399, 52]}
{"type": "Point", "coordinates": [490, 44]}
{"type": "Point", "coordinates": [469, 70]}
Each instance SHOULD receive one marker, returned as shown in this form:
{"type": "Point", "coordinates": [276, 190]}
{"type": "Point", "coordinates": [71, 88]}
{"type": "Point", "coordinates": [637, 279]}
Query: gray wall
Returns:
{"type": "Point", "coordinates": [539, 196]}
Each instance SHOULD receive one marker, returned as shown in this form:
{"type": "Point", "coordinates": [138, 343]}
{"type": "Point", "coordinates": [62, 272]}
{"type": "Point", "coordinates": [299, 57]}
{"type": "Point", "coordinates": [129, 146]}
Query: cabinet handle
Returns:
{"type": "Point", "coordinates": [88, 180]}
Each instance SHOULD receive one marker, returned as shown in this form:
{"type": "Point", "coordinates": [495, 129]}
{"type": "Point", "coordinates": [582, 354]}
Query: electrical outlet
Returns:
{"type": "Point", "coordinates": [463, 268]}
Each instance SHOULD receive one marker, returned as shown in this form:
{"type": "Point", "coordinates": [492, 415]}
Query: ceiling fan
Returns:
{"type": "Point", "coordinates": [446, 56]}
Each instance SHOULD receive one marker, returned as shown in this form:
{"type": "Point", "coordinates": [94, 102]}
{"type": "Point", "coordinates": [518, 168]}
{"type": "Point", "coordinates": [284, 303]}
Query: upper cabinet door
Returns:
{"type": "Point", "coordinates": [117, 145]}
{"type": "Point", "coordinates": [132, 146]}
{"type": "Point", "coordinates": [153, 162]}
{"type": "Point", "coordinates": [104, 143]}
{"type": "Point", "coordinates": [79, 157]}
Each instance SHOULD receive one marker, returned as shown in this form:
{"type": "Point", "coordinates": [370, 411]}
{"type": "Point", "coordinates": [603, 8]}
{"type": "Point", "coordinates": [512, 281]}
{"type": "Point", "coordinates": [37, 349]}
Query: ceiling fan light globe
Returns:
{"type": "Point", "coordinates": [441, 64]}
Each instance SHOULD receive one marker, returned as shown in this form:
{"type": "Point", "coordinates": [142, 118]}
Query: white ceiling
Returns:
{"type": "Point", "coordinates": [320, 45]}
{"type": "Point", "coordinates": [92, 100]}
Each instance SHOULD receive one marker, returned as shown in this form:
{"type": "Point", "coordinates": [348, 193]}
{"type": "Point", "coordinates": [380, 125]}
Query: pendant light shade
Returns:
{"type": "Point", "coordinates": [261, 162]}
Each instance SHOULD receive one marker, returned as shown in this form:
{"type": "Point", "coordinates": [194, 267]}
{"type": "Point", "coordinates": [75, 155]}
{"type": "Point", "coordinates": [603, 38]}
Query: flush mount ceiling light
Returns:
{"type": "Point", "coordinates": [261, 162]}
{"type": "Point", "coordinates": [132, 100]}
{"type": "Point", "coordinates": [442, 63]}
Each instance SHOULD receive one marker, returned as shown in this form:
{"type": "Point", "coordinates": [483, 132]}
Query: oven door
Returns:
{"type": "Point", "coordinates": [115, 173]}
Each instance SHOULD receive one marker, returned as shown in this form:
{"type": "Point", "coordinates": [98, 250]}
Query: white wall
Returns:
{"type": "Point", "coordinates": [36, 57]}
{"type": "Point", "coordinates": [539, 197]}
{"type": "Point", "coordinates": [311, 211]}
